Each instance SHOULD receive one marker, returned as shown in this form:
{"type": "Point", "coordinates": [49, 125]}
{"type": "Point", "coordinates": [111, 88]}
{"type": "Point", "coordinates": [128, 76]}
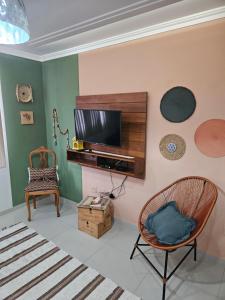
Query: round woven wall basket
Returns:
{"type": "Point", "coordinates": [172, 146]}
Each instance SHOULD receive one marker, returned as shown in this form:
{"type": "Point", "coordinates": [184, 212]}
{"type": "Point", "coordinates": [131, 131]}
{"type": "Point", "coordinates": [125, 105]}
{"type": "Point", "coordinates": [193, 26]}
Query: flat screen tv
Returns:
{"type": "Point", "coordinates": [98, 126]}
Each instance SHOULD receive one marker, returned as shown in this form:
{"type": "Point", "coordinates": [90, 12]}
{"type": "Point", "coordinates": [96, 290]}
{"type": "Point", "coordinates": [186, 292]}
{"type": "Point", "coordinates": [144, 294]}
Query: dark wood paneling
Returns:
{"type": "Point", "coordinates": [134, 117]}
{"type": "Point", "coordinates": [135, 137]}
{"type": "Point", "coordinates": [128, 107]}
{"type": "Point", "coordinates": [109, 98]}
{"type": "Point", "coordinates": [134, 127]}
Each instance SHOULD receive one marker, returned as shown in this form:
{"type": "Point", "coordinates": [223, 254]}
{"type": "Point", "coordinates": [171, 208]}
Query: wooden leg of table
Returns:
{"type": "Point", "coordinates": [28, 206]}
{"type": "Point", "coordinates": [34, 203]}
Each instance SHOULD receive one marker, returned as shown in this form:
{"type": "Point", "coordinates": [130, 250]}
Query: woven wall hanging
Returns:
{"type": "Point", "coordinates": [210, 138]}
{"type": "Point", "coordinates": [172, 146]}
{"type": "Point", "coordinates": [178, 104]}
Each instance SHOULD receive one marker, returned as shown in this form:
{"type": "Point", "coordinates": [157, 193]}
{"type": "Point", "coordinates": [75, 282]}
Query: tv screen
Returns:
{"type": "Point", "coordinates": [98, 126]}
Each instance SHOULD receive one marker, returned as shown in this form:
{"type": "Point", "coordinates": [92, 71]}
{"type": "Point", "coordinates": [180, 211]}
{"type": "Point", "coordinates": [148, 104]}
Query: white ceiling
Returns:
{"type": "Point", "coordinates": [61, 28]}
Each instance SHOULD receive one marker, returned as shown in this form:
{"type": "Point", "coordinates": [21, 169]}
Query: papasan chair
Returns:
{"type": "Point", "coordinates": [195, 197]}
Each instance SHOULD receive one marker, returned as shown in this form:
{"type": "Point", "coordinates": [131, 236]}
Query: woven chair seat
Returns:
{"type": "Point", "coordinates": [195, 197]}
{"type": "Point", "coordinates": [41, 185]}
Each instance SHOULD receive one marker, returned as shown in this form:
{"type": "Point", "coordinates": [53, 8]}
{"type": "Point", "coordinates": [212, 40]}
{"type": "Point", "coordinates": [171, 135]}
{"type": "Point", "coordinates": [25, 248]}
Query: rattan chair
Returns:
{"type": "Point", "coordinates": [195, 197]}
{"type": "Point", "coordinates": [35, 188]}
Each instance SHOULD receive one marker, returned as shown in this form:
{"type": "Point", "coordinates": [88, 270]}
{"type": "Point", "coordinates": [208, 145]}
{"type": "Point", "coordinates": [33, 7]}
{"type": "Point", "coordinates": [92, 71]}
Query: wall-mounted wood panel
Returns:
{"type": "Point", "coordinates": [133, 107]}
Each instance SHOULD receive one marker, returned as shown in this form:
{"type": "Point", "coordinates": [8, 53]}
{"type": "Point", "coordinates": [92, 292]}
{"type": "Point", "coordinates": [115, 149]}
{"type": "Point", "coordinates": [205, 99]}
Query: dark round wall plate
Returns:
{"type": "Point", "coordinates": [178, 104]}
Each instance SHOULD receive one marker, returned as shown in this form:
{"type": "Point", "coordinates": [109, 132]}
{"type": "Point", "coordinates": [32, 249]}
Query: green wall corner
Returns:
{"type": "Point", "coordinates": [21, 139]}
{"type": "Point", "coordinates": [60, 88]}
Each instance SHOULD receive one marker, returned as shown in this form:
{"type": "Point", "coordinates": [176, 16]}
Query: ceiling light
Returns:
{"type": "Point", "coordinates": [13, 22]}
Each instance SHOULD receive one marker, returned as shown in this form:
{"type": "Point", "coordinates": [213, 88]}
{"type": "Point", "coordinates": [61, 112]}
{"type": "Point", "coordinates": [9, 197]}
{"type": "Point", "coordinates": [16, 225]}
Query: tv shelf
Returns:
{"type": "Point", "coordinates": [107, 162]}
{"type": "Point", "coordinates": [129, 159]}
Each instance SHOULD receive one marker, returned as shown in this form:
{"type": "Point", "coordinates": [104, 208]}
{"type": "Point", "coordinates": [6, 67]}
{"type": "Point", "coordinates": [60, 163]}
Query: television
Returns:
{"type": "Point", "coordinates": [98, 126]}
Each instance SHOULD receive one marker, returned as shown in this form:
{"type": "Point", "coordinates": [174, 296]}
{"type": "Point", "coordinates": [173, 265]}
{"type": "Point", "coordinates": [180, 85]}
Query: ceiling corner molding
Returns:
{"type": "Point", "coordinates": [21, 53]}
{"type": "Point", "coordinates": [194, 19]}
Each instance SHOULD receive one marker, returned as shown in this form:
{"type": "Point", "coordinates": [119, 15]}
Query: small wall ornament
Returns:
{"type": "Point", "coordinates": [26, 117]}
{"type": "Point", "coordinates": [172, 146]}
{"type": "Point", "coordinates": [24, 93]}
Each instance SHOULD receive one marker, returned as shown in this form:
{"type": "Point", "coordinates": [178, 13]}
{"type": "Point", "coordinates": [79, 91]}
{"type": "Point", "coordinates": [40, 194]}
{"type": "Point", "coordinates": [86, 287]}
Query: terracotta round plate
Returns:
{"type": "Point", "coordinates": [210, 138]}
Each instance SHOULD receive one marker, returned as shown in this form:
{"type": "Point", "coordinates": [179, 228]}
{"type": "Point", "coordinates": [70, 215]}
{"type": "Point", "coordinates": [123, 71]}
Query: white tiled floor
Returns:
{"type": "Point", "coordinates": [204, 280]}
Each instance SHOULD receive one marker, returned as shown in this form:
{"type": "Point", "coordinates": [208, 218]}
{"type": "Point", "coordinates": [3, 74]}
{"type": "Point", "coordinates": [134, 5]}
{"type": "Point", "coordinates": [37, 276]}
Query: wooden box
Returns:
{"type": "Point", "coordinates": [95, 229]}
{"type": "Point", "coordinates": [93, 215]}
{"type": "Point", "coordinates": [95, 221]}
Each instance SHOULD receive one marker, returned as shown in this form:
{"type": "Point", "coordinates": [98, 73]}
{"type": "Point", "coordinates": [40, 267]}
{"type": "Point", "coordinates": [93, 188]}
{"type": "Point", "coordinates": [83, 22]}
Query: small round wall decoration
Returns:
{"type": "Point", "coordinates": [172, 146]}
{"type": "Point", "coordinates": [24, 93]}
{"type": "Point", "coordinates": [178, 104]}
{"type": "Point", "coordinates": [210, 138]}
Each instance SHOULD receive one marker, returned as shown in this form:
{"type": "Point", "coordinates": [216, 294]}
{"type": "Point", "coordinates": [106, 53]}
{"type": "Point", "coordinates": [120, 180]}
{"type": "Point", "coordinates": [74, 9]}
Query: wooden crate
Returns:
{"type": "Point", "coordinates": [95, 229]}
{"type": "Point", "coordinates": [93, 215]}
{"type": "Point", "coordinates": [95, 221]}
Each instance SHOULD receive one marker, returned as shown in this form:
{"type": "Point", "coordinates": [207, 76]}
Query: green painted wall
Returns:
{"type": "Point", "coordinates": [60, 86]}
{"type": "Point", "coordinates": [21, 139]}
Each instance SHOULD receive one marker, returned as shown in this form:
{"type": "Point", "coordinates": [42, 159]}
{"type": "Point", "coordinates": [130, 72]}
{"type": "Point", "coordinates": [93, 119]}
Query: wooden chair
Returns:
{"type": "Point", "coordinates": [195, 197]}
{"type": "Point", "coordinates": [45, 186]}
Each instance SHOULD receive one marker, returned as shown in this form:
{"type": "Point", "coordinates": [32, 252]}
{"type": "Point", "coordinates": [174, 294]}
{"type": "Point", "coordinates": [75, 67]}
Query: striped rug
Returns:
{"type": "Point", "coordinates": [31, 267]}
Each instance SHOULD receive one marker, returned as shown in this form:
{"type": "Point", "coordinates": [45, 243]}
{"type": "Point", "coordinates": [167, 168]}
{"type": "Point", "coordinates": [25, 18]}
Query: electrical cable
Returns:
{"type": "Point", "coordinates": [114, 189]}
{"type": "Point", "coordinates": [112, 181]}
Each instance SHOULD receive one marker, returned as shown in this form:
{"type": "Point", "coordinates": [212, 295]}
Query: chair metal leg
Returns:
{"type": "Point", "coordinates": [195, 250]}
{"type": "Point", "coordinates": [164, 276]}
{"type": "Point", "coordinates": [135, 246]}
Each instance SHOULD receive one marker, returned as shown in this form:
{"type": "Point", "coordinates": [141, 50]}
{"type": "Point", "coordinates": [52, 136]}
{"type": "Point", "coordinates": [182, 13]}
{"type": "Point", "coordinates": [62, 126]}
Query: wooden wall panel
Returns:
{"type": "Point", "coordinates": [134, 117]}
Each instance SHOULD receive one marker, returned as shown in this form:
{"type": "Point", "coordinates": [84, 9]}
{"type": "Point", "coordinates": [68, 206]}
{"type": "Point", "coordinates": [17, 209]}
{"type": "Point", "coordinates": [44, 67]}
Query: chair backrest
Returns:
{"type": "Point", "coordinates": [195, 197]}
{"type": "Point", "coordinates": [42, 156]}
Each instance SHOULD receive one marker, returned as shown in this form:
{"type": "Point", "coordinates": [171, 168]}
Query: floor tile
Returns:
{"type": "Point", "coordinates": [69, 217]}
{"type": "Point", "coordinates": [115, 264]}
{"type": "Point", "coordinates": [221, 294]}
{"type": "Point", "coordinates": [18, 215]}
{"type": "Point", "coordinates": [48, 225]}
{"type": "Point", "coordinates": [150, 288]}
{"type": "Point", "coordinates": [78, 244]}
{"type": "Point", "coordinates": [122, 236]}
{"type": "Point", "coordinates": [201, 280]}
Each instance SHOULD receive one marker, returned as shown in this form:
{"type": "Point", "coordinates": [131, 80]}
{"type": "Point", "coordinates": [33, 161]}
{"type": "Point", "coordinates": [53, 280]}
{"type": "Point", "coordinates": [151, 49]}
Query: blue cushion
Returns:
{"type": "Point", "coordinates": [169, 225]}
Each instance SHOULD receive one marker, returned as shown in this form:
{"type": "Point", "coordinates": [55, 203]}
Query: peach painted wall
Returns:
{"type": "Point", "coordinates": [193, 57]}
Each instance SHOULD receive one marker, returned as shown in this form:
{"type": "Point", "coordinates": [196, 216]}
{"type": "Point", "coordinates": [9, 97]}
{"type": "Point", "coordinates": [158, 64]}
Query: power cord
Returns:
{"type": "Point", "coordinates": [119, 187]}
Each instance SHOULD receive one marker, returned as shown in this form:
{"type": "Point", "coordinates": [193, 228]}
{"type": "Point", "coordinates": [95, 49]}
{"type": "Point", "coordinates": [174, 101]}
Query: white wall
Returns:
{"type": "Point", "coordinates": [5, 184]}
